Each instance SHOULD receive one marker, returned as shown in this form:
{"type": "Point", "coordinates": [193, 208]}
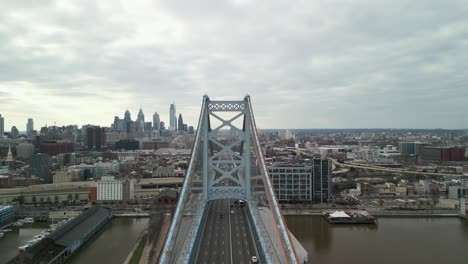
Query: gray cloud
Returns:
{"type": "Point", "coordinates": [305, 64]}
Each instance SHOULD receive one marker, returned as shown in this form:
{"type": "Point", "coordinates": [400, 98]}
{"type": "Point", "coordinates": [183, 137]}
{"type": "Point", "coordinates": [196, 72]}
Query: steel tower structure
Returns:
{"type": "Point", "coordinates": [227, 161]}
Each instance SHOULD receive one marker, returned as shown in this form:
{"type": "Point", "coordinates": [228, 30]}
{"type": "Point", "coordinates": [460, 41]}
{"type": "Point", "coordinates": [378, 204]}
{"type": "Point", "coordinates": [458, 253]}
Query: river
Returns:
{"type": "Point", "coordinates": [394, 240]}
{"type": "Point", "coordinates": [111, 245]}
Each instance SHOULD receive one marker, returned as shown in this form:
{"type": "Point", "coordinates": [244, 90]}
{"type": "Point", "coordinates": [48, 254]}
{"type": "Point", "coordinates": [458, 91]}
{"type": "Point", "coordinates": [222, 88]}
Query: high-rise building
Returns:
{"type": "Point", "coordinates": [127, 116]}
{"type": "Point", "coordinates": [156, 121]}
{"type": "Point", "coordinates": [95, 138]}
{"type": "Point", "coordinates": [2, 125]}
{"type": "Point", "coordinates": [191, 130]}
{"type": "Point", "coordinates": [302, 182]}
{"type": "Point", "coordinates": [30, 127]}
{"type": "Point", "coordinates": [162, 125]}
{"type": "Point", "coordinates": [172, 118]}
{"type": "Point", "coordinates": [141, 116]}
{"type": "Point", "coordinates": [40, 167]}
{"type": "Point", "coordinates": [14, 132]}
{"type": "Point", "coordinates": [180, 123]}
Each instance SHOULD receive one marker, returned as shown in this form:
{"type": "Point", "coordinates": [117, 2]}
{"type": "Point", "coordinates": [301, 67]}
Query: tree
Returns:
{"type": "Point", "coordinates": [56, 198]}
{"type": "Point", "coordinates": [34, 199]}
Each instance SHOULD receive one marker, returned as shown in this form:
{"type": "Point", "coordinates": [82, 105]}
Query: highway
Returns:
{"type": "Point", "coordinates": [378, 168]}
{"type": "Point", "coordinates": [226, 239]}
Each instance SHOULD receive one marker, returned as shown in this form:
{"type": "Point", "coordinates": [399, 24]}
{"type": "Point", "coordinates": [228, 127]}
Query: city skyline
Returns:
{"type": "Point", "coordinates": [306, 65]}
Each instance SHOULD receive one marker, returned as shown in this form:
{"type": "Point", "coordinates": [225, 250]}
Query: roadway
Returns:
{"type": "Point", "coordinates": [227, 239]}
{"type": "Point", "coordinates": [386, 169]}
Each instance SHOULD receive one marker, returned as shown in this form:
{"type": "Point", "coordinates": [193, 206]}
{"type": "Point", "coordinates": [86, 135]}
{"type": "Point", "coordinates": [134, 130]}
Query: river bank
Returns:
{"type": "Point", "coordinates": [378, 212]}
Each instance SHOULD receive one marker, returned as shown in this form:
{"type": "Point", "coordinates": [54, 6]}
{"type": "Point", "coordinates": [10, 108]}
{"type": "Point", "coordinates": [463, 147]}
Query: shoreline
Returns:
{"type": "Point", "coordinates": [378, 213]}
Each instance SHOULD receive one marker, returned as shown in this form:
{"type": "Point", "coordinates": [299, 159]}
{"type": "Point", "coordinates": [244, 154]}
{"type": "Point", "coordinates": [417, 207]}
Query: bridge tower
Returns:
{"type": "Point", "coordinates": [227, 161]}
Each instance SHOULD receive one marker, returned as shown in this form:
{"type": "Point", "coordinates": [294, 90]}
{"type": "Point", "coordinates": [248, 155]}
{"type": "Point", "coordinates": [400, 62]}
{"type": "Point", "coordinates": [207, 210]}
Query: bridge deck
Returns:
{"type": "Point", "coordinates": [226, 239]}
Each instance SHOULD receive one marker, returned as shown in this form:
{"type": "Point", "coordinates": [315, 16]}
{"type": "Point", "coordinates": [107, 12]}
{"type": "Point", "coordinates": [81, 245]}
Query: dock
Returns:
{"type": "Point", "coordinates": [62, 243]}
{"type": "Point", "coordinates": [351, 217]}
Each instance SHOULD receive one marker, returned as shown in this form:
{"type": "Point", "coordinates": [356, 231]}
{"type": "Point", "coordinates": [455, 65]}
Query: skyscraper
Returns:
{"type": "Point", "coordinates": [172, 118]}
{"type": "Point", "coordinates": [141, 116]}
{"type": "Point", "coordinates": [2, 125]}
{"type": "Point", "coordinates": [180, 123]}
{"type": "Point", "coordinates": [127, 116]}
{"type": "Point", "coordinates": [14, 132]}
{"type": "Point", "coordinates": [95, 138]}
{"type": "Point", "coordinates": [156, 121]}
{"type": "Point", "coordinates": [30, 127]}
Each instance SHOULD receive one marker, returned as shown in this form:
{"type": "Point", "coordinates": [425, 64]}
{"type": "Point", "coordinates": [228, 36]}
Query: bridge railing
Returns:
{"type": "Point", "coordinates": [265, 207]}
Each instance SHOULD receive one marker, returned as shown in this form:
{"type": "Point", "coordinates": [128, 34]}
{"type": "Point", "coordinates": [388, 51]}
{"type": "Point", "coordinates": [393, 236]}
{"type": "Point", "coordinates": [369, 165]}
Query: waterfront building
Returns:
{"type": "Point", "coordinates": [172, 117]}
{"type": "Point", "coordinates": [30, 127]}
{"type": "Point", "coordinates": [156, 121]}
{"type": "Point", "coordinates": [63, 214]}
{"type": "Point", "coordinates": [6, 214]}
{"type": "Point", "coordinates": [302, 182]}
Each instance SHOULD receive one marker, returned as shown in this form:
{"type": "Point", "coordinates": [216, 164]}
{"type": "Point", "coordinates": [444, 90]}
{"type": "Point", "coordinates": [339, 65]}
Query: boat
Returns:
{"type": "Point", "coordinates": [18, 223]}
{"type": "Point", "coordinates": [351, 217]}
{"type": "Point", "coordinates": [28, 220]}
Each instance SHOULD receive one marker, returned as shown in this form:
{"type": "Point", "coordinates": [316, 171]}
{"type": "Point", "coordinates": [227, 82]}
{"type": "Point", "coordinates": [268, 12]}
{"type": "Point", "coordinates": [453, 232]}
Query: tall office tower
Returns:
{"type": "Point", "coordinates": [30, 127]}
{"type": "Point", "coordinates": [156, 121]}
{"type": "Point", "coordinates": [40, 167]}
{"type": "Point", "coordinates": [2, 125]}
{"type": "Point", "coordinates": [180, 123]}
{"type": "Point", "coordinates": [321, 181]}
{"type": "Point", "coordinates": [172, 118]}
{"type": "Point", "coordinates": [95, 138]}
{"type": "Point", "coordinates": [191, 130]}
{"type": "Point", "coordinates": [14, 132]}
{"type": "Point", "coordinates": [141, 116]}
{"type": "Point", "coordinates": [162, 125]}
{"type": "Point", "coordinates": [127, 116]}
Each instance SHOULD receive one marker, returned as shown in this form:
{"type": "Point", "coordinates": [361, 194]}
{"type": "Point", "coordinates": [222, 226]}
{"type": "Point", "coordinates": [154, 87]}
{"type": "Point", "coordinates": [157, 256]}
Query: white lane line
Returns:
{"type": "Point", "coordinates": [230, 235]}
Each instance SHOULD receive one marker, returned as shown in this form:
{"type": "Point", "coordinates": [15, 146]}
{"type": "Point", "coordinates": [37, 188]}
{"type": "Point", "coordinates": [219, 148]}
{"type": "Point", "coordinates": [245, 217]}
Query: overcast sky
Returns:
{"type": "Point", "coordinates": [306, 64]}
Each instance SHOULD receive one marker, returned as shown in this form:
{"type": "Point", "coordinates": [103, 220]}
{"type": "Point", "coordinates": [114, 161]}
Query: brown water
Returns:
{"type": "Point", "coordinates": [17, 237]}
{"type": "Point", "coordinates": [393, 241]}
{"type": "Point", "coordinates": [111, 245]}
